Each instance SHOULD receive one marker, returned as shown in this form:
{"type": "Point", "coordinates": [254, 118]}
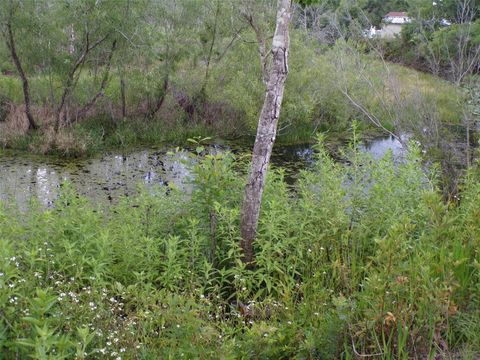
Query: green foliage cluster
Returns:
{"type": "Point", "coordinates": [194, 65]}
{"type": "Point", "coordinates": [441, 38]}
{"type": "Point", "coordinates": [447, 51]}
{"type": "Point", "coordinates": [314, 100]}
{"type": "Point", "coordinates": [358, 259]}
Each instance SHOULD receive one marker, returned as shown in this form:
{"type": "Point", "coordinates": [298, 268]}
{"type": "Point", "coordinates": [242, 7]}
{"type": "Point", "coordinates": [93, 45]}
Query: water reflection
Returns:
{"type": "Point", "coordinates": [379, 147]}
{"type": "Point", "coordinates": [100, 179]}
{"type": "Point", "coordinates": [107, 178]}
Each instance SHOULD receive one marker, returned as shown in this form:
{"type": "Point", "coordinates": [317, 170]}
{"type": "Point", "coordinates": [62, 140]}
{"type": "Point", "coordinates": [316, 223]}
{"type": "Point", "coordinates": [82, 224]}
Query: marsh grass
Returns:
{"type": "Point", "coordinates": [403, 99]}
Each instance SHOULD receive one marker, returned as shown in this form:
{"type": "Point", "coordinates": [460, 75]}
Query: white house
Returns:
{"type": "Point", "coordinates": [391, 26]}
{"type": "Point", "coordinates": [399, 18]}
{"type": "Point", "coordinates": [393, 23]}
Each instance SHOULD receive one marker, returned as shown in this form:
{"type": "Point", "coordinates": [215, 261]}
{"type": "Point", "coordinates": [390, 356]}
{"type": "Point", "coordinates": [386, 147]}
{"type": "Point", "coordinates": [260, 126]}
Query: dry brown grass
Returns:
{"type": "Point", "coordinates": [15, 126]}
{"type": "Point", "coordinates": [64, 141]}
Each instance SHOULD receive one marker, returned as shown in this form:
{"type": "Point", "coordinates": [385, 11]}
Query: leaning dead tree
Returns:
{"type": "Point", "coordinates": [266, 131]}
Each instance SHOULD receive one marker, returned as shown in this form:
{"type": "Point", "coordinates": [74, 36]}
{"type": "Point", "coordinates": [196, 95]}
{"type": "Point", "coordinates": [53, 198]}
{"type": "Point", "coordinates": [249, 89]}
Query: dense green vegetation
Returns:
{"type": "Point", "coordinates": [138, 73]}
{"type": "Point", "coordinates": [381, 266]}
{"type": "Point", "coordinates": [314, 101]}
{"type": "Point", "coordinates": [359, 258]}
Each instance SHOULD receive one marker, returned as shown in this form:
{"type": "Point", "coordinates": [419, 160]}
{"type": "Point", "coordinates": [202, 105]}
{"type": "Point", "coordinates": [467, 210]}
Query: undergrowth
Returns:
{"type": "Point", "coordinates": [364, 259]}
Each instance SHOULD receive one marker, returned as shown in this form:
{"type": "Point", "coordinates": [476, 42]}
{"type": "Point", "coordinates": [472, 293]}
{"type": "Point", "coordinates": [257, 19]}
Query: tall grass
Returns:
{"type": "Point", "coordinates": [356, 260]}
{"type": "Point", "coordinates": [401, 98]}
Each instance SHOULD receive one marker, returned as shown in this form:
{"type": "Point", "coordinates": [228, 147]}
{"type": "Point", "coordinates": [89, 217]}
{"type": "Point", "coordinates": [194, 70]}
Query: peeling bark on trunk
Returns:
{"type": "Point", "coordinates": [26, 92]}
{"type": "Point", "coordinates": [266, 132]}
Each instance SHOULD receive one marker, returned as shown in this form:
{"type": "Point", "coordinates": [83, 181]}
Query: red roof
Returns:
{"type": "Point", "coordinates": [396, 14]}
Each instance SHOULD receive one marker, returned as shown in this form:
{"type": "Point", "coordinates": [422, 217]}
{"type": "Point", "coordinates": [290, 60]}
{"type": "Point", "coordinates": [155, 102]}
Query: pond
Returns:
{"type": "Point", "coordinates": [105, 179]}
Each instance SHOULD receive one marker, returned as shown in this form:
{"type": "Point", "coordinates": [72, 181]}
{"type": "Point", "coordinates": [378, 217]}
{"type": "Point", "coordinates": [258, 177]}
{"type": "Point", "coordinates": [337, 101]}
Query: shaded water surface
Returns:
{"type": "Point", "coordinates": [107, 178]}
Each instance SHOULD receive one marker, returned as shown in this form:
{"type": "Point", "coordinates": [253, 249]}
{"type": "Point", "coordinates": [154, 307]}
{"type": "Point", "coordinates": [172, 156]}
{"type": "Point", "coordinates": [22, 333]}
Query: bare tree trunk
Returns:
{"type": "Point", "coordinates": [201, 98]}
{"type": "Point", "coordinates": [123, 96]}
{"type": "Point", "coordinates": [26, 92]}
{"type": "Point", "coordinates": [266, 131]}
{"type": "Point", "coordinates": [468, 143]}
{"type": "Point", "coordinates": [305, 18]}
{"type": "Point", "coordinates": [262, 47]}
{"type": "Point", "coordinates": [161, 95]}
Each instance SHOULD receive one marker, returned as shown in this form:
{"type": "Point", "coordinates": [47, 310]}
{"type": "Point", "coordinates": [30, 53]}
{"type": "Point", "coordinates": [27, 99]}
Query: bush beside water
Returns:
{"type": "Point", "coordinates": [359, 259]}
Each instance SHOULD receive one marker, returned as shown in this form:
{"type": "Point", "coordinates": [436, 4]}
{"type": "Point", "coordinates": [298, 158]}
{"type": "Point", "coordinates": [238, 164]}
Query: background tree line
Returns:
{"type": "Point", "coordinates": [93, 74]}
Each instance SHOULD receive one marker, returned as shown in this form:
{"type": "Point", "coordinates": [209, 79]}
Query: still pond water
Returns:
{"type": "Point", "coordinates": [105, 179]}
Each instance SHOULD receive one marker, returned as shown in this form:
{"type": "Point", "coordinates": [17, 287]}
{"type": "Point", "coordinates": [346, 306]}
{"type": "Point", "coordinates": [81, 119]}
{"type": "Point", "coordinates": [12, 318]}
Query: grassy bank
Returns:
{"type": "Point", "coordinates": [322, 93]}
{"type": "Point", "coordinates": [381, 267]}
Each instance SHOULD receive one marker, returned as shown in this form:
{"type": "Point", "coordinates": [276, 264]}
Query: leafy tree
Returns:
{"type": "Point", "coordinates": [15, 25]}
{"type": "Point", "coordinates": [84, 30]}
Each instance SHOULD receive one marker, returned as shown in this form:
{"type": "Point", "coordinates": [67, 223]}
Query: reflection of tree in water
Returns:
{"type": "Point", "coordinates": [113, 176]}
{"type": "Point", "coordinates": [47, 185]}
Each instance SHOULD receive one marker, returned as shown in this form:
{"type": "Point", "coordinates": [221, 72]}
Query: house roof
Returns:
{"type": "Point", "coordinates": [396, 14]}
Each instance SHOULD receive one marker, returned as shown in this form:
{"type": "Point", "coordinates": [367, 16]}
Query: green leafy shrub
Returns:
{"type": "Point", "coordinates": [359, 259]}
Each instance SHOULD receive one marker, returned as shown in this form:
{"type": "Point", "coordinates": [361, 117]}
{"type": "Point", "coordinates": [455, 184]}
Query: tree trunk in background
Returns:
{"type": "Point", "coordinates": [122, 97]}
{"type": "Point", "coordinates": [26, 92]}
{"type": "Point", "coordinates": [160, 98]}
{"type": "Point", "coordinates": [266, 132]}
